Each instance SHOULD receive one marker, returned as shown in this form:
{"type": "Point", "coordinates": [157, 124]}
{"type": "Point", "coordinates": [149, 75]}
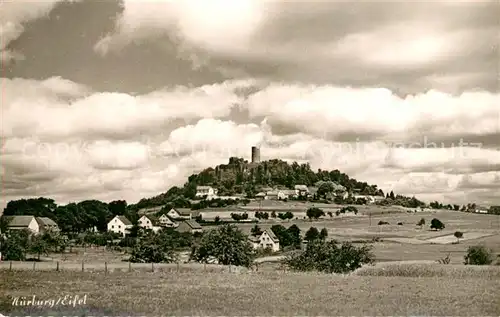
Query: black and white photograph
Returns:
{"type": "Point", "coordinates": [249, 158]}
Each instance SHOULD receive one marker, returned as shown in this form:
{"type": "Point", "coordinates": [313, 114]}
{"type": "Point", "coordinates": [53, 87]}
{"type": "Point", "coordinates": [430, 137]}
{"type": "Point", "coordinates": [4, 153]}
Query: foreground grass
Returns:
{"type": "Point", "coordinates": [197, 293]}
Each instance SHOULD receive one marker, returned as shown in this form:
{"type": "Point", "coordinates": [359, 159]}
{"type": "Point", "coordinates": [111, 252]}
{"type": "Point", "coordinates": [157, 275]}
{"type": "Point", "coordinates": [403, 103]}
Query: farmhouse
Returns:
{"type": "Point", "coordinates": [369, 199]}
{"type": "Point", "coordinates": [149, 223]}
{"type": "Point", "coordinates": [266, 240]}
{"type": "Point", "coordinates": [182, 213]}
{"type": "Point", "coordinates": [261, 195]}
{"type": "Point", "coordinates": [481, 210]}
{"type": "Point", "coordinates": [46, 224]}
{"type": "Point", "coordinates": [276, 195]}
{"type": "Point", "coordinates": [190, 226]}
{"type": "Point", "coordinates": [165, 221]}
{"type": "Point", "coordinates": [302, 190]}
{"type": "Point", "coordinates": [291, 193]}
{"type": "Point", "coordinates": [119, 224]}
{"type": "Point", "coordinates": [23, 223]}
{"type": "Point", "coordinates": [208, 191]}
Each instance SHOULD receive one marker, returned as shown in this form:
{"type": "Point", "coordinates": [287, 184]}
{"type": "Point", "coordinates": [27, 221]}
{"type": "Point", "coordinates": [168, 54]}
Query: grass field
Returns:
{"type": "Point", "coordinates": [397, 243]}
{"type": "Point", "coordinates": [436, 290]}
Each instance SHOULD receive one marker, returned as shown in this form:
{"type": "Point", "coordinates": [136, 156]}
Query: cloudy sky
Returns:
{"type": "Point", "coordinates": [124, 99]}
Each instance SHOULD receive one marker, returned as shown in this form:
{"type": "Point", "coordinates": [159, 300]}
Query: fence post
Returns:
{"type": "Point", "coordinates": [105, 267]}
{"type": "Point", "coordinates": [34, 263]}
{"type": "Point", "coordinates": [57, 267]}
{"type": "Point", "coordinates": [152, 267]}
{"type": "Point", "coordinates": [178, 267]}
{"type": "Point", "coordinates": [10, 266]}
{"type": "Point", "coordinates": [130, 266]}
{"type": "Point", "coordinates": [83, 266]}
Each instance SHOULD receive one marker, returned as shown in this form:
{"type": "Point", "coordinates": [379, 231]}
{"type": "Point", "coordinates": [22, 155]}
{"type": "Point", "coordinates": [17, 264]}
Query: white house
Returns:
{"type": "Point", "coordinates": [276, 195]}
{"type": "Point", "coordinates": [481, 210]}
{"type": "Point", "coordinates": [302, 190]}
{"type": "Point", "coordinates": [149, 223]}
{"type": "Point", "coordinates": [165, 221]}
{"type": "Point", "coordinates": [291, 193]}
{"type": "Point", "coordinates": [23, 223]}
{"type": "Point", "coordinates": [182, 213]}
{"type": "Point", "coordinates": [266, 240]}
{"type": "Point", "coordinates": [208, 191]}
{"type": "Point", "coordinates": [369, 199]}
{"type": "Point", "coordinates": [119, 224]}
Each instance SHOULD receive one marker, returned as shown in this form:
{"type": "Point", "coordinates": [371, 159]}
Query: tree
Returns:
{"type": "Point", "coordinates": [314, 213]}
{"type": "Point", "coordinates": [478, 255]}
{"type": "Point", "coordinates": [256, 231]}
{"type": "Point", "coordinates": [436, 224]}
{"type": "Point", "coordinates": [294, 236]}
{"type": "Point", "coordinates": [458, 235]}
{"type": "Point", "coordinates": [153, 248]}
{"type": "Point", "coordinates": [325, 188]}
{"type": "Point", "coordinates": [421, 222]}
{"type": "Point", "coordinates": [311, 234]}
{"type": "Point", "coordinates": [330, 257]}
{"type": "Point", "coordinates": [38, 246]}
{"type": "Point", "coordinates": [323, 234]}
{"type": "Point", "coordinates": [227, 244]}
{"type": "Point", "coordinates": [330, 214]}
{"type": "Point", "coordinates": [217, 219]}
{"type": "Point", "coordinates": [13, 246]}
{"type": "Point", "coordinates": [273, 214]}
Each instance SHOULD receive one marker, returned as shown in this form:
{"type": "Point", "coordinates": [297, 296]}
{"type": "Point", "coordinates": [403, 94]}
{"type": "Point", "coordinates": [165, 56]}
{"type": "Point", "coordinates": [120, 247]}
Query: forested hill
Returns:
{"type": "Point", "coordinates": [241, 177]}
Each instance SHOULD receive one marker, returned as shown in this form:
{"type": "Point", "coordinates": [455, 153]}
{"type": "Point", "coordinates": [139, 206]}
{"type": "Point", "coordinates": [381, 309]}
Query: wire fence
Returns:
{"type": "Point", "coordinates": [112, 267]}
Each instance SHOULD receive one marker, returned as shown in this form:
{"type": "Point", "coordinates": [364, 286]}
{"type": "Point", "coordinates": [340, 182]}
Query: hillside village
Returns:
{"type": "Point", "coordinates": [240, 193]}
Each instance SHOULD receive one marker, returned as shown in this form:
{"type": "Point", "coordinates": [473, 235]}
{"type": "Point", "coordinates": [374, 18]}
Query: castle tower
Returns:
{"type": "Point", "coordinates": [255, 154]}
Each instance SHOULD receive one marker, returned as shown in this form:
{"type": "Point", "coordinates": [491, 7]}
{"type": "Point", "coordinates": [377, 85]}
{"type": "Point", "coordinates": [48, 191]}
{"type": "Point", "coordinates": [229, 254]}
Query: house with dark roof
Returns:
{"type": "Point", "coordinates": [266, 240]}
{"type": "Point", "coordinates": [46, 224]}
{"type": "Point", "coordinates": [119, 224]}
{"type": "Point", "coordinates": [165, 221]}
{"type": "Point", "coordinates": [182, 213]}
{"type": "Point", "coordinates": [149, 222]}
{"type": "Point", "coordinates": [189, 226]}
{"type": "Point", "coordinates": [23, 223]}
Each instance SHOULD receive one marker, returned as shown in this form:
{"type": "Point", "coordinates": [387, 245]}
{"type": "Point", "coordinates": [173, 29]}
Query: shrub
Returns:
{"type": "Point", "coordinates": [421, 222]}
{"type": "Point", "coordinates": [400, 223]}
{"type": "Point", "coordinates": [458, 235]}
{"type": "Point", "coordinates": [478, 255]}
{"type": "Point", "coordinates": [329, 257]}
{"type": "Point", "coordinates": [437, 224]}
{"type": "Point", "coordinates": [227, 244]}
{"type": "Point", "coordinates": [311, 234]}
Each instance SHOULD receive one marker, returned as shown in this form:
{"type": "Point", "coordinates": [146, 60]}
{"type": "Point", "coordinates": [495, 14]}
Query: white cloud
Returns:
{"type": "Point", "coordinates": [40, 109]}
{"type": "Point", "coordinates": [327, 110]}
{"type": "Point", "coordinates": [88, 144]}
{"type": "Point", "coordinates": [214, 25]}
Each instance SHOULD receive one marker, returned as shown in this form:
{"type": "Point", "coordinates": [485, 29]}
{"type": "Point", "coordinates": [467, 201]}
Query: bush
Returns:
{"type": "Point", "coordinates": [478, 255]}
{"type": "Point", "coordinates": [227, 244]}
{"type": "Point", "coordinates": [437, 224]}
{"type": "Point", "coordinates": [329, 257]}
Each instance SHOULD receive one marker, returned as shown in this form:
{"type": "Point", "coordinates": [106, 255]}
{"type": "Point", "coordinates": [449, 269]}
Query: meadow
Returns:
{"type": "Point", "coordinates": [437, 290]}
